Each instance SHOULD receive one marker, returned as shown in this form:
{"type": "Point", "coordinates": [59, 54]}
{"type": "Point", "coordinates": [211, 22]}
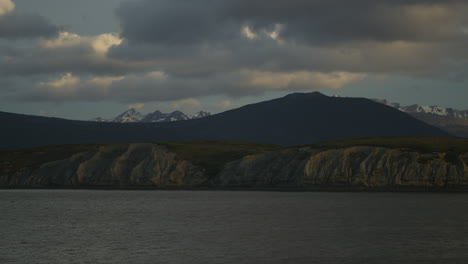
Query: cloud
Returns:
{"type": "Point", "coordinates": [314, 21]}
{"type": "Point", "coordinates": [14, 25]}
{"type": "Point", "coordinates": [17, 26]}
{"type": "Point", "coordinates": [423, 38]}
{"type": "Point", "coordinates": [67, 52]}
{"type": "Point", "coordinates": [6, 6]}
{"type": "Point", "coordinates": [248, 33]}
{"type": "Point", "coordinates": [69, 87]}
{"type": "Point", "coordinates": [299, 80]}
{"type": "Point", "coordinates": [145, 88]}
{"type": "Point", "coordinates": [99, 44]}
{"type": "Point", "coordinates": [67, 81]}
{"type": "Point", "coordinates": [176, 50]}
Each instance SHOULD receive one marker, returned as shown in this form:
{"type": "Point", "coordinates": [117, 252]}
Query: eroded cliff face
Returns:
{"type": "Point", "coordinates": [131, 165]}
{"type": "Point", "coordinates": [354, 166]}
{"type": "Point", "coordinates": [151, 165]}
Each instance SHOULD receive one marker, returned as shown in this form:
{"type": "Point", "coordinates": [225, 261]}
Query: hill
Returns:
{"type": "Point", "coordinates": [303, 118]}
{"type": "Point", "coordinates": [295, 119]}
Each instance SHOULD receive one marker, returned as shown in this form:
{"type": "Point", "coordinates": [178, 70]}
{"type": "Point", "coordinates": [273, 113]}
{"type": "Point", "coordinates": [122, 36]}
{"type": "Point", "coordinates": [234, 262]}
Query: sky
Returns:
{"type": "Point", "coordinates": [84, 59]}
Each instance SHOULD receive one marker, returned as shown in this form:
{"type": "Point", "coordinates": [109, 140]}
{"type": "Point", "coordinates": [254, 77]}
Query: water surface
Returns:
{"type": "Point", "coordinates": [87, 226]}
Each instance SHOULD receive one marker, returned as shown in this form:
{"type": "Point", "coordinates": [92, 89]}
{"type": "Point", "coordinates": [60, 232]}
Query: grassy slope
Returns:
{"type": "Point", "coordinates": [35, 157]}
{"type": "Point", "coordinates": [424, 144]}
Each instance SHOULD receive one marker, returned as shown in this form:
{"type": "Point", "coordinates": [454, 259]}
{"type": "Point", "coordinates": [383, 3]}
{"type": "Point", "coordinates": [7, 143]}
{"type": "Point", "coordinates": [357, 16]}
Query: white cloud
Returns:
{"type": "Point", "coordinates": [100, 44]}
{"type": "Point", "coordinates": [6, 6]}
{"type": "Point", "coordinates": [248, 33]}
{"type": "Point", "coordinates": [276, 32]}
{"type": "Point", "coordinates": [66, 81]}
{"type": "Point", "coordinates": [73, 87]}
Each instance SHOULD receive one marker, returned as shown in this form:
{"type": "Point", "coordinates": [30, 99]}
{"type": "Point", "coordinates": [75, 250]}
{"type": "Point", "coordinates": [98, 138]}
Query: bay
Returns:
{"type": "Point", "coordinates": [93, 226]}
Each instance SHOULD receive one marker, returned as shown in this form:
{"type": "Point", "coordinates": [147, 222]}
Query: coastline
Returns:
{"type": "Point", "coordinates": [254, 189]}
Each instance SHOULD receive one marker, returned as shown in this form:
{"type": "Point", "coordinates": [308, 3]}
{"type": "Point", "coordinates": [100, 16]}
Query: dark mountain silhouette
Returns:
{"type": "Point", "coordinates": [295, 119]}
{"type": "Point", "coordinates": [303, 118]}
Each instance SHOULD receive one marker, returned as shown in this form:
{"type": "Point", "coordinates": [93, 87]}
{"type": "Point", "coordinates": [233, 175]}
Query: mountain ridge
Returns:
{"type": "Point", "coordinates": [133, 116]}
{"type": "Point", "coordinates": [294, 119]}
{"type": "Point", "coordinates": [449, 119]}
{"type": "Point", "coordinates": [427, 109]}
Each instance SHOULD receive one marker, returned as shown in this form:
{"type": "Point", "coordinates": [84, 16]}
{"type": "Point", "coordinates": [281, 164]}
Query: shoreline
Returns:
{"type": "Point", "coordinates": [253, 189]}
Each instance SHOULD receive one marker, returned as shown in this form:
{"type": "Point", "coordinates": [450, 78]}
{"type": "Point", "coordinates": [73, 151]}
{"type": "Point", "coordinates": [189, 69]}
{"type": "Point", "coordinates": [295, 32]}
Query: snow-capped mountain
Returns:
{"type": "Point", "coordinates": [129, 116]}
{"type": "Point", "coordinates": [436, 110]}
{"type": "Point", "coordinates": [158, 116]}
{"type": "Point", "coordinates": [133, 116]}
{"type": "Point", "coordinates": [199, 115]}
{"type": "Point", "coordinates": [425, 109]}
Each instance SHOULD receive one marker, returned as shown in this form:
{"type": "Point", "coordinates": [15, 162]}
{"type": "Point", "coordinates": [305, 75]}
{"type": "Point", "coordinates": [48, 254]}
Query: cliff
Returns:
{"type": "Point", "coordinates": [159, 166]}
{"type": "Point", "coordinates": [358, 166]}
{"type": "Point", "coordinates": [131, 165]}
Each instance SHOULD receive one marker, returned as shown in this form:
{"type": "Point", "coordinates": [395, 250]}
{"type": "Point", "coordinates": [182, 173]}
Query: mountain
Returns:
{"type": "Point", "coordinates": [129, 116]}
{"type": "Point", "coordinates": [157, 116]}
{"type": "Point", "coordinates": [133, 116]}
{"type": "Point", "coordinates": [200, 114]}
{"type": "Point", "coordinates": [295, 119]}
{"type": "Point", "coordinates": [426, 109]}
{"type": "Point", "coordinates": [303, 118]}
{"type": "Point", "coordinates": [451, 120]}
{"type": "Point", "coordinates": [436, 110]}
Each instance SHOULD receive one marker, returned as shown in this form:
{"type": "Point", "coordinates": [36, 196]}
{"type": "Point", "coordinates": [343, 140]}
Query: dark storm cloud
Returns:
{"type": "Point", "coordinates": [246, 47]}
{"type": "Point", "coordinates": [313, 21]}
{"type": "Point", "coordinates": [80, 58]}
{"type": "Point", "coordinates": [331, 21]}
{"type": "Point", "coordinates": [19, 26]}
{"type": "Point", "coordinates": [171, 21]}
{"type": "Point", "coordinates": [435, 60]}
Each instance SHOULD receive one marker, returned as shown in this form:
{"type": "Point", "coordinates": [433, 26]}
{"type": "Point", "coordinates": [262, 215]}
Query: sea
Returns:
{"type": "Point", "coordinates": [114, 226]}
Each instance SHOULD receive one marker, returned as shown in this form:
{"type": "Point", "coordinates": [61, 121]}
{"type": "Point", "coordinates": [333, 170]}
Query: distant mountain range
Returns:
{"type": "Point", "coordinates": [133, 116]}
{"type": "Point", "coordinates": [296, 119]}
{"type": "Point", "coordinates": [451, 120]}
{"type": "Point", "coordinates": [425, 109]}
